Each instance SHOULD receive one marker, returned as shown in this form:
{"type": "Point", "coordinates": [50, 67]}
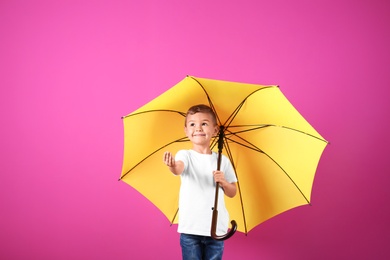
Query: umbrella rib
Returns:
{"type": "Point", "coordinates": [183, 139]}
{"type": "Point", "coordinates": [230, 119]}
{"type": "Point", "coordinates": [256, 127]}
{"type": "Point", "coordinates": [208, 98]}
{"type": "Point", "coordinates": [174, 216]}
{"type": "Point", "coordinates": [154, 110]}
{"type": "Point", "coordinates": [238, 184]}
{"type": "Point", "coordinates": [257, 149]}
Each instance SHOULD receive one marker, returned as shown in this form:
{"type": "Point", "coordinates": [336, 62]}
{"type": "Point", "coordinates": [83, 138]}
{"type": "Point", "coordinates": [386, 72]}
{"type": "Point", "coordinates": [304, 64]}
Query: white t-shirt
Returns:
{"type": "Point", "coordinates": [197, 193]}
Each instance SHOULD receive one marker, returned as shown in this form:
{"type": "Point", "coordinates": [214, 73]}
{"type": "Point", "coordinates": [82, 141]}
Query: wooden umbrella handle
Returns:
{"type": "Point", "coordinates": [215, 219]}
{"type": "Point", "coordinates": [215, 209]}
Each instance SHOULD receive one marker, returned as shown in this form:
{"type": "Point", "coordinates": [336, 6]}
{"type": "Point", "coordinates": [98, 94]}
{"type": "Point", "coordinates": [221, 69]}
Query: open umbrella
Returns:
{"type": "Point", "coordinates": [273, 149]}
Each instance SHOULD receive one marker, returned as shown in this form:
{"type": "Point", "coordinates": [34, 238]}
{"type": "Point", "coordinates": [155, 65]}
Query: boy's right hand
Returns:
{"type": "Point", "coordinates": [169, 159]}
{"type": "Point", "coordinates": [176, 167]}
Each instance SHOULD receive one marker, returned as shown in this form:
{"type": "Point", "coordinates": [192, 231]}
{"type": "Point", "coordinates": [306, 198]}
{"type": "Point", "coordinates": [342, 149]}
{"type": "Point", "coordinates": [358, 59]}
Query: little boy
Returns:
{"type": "Point", "coordinates": [197, 169]}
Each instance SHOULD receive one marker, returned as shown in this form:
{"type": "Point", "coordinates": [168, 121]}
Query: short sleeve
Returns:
{"type": "Point", "coordinates": [230, 175]}
{"type": "Point", "coordinates": [182, 155]}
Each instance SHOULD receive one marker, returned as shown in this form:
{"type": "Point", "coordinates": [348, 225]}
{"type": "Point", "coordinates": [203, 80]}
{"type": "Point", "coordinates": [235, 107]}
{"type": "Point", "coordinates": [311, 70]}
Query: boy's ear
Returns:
{"type": "Point", "coordinates": [216, 129]}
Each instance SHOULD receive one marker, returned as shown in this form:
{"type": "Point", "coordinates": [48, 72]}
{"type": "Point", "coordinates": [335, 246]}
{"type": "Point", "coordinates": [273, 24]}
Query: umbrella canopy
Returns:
{"type": "Point", "coordinates": [273, 149]}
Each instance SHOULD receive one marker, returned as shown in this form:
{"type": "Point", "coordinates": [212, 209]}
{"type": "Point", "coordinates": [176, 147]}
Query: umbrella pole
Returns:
{"type": "Point", "coordinates": [215, 208]}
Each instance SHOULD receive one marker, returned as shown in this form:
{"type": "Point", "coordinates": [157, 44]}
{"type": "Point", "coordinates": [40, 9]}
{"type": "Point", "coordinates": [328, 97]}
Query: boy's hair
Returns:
{"type": "Point", "coordinates": [201, 109]}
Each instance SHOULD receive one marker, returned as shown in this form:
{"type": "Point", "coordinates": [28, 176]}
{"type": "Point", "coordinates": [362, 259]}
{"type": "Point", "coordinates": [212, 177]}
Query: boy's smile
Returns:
{"type": "Point", "coordinates": [200, 128]}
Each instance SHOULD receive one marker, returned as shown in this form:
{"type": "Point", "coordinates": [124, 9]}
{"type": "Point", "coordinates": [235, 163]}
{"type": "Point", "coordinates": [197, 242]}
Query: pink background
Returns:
{"type": "Point", "coordinates": [70, 69]}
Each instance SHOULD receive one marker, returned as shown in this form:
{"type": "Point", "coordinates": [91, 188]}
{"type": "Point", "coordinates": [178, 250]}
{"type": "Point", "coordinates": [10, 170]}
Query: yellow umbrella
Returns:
{"type": "Point", "coordinates": [273, 149]}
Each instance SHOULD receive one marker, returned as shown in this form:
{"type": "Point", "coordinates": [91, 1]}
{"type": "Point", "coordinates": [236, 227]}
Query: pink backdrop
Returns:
{"type": "Point", "coordinates": [70, 69]}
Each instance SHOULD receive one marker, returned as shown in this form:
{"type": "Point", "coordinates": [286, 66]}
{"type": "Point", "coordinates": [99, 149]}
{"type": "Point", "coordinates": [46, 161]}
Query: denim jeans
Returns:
{"type": "Point", "coordinates": [200, 247]}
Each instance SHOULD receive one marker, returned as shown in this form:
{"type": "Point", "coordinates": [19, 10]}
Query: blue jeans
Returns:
{"type": "Point", "coordinates": [200, 247]}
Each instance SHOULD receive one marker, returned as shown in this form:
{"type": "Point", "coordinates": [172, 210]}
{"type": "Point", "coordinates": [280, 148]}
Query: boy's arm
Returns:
{"type": "Point", "coordinates": [176, 167]}
{"type": "Point", "coordinates": [230, 189]}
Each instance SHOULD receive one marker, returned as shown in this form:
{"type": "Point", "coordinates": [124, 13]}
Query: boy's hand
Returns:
{"type": "Point", "coordinates": [219, 177]}
{"type": "Point", "coordinates": [230, 189]}
{"type": "Point", "coordinates": [169, 159]}
{"type": "Point", "coordinates": [176, 167]}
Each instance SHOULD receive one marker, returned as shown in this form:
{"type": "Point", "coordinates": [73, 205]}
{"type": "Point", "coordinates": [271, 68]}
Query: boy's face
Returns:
{"type": "Point", "coordinates": [200, 128]}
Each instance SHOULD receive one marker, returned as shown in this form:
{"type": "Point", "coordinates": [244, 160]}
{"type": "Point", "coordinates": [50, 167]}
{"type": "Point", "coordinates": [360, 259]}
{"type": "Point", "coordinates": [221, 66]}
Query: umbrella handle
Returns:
{"type": "Point", "coordinates": [215, 211]}
{"type": "Point", "coordinates": [214, 223]}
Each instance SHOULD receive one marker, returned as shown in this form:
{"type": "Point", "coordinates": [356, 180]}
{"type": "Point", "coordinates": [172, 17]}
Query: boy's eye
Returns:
{"type": "Point", "coordinates": [192, 124]}
{"type": "Point", "coordinates": [204, 124]}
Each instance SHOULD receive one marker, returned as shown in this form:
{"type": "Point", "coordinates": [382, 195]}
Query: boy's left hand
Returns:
{"type": "Point", "coordinates": [219, 177]}
{"type": "Point", "coordinates": [230, 189]}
